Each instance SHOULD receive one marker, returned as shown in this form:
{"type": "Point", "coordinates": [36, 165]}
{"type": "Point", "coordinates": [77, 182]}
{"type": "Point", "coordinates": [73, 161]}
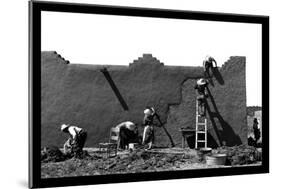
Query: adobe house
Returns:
{"type": "Point", "coordinates": [81, 95]}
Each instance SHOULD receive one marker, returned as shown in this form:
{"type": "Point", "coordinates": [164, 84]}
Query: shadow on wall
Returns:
{"type": "Point", "coordinates": [226, 135]}
{"type": "Point", "coordinates": [217, 75]}
{"type": "Point", "coordinates": [115, 89]}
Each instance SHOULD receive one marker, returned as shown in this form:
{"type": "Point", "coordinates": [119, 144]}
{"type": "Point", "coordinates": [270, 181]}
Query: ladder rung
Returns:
{"type": "Point", "coordinates": [198, 116]}
{"type": "Point", "coordinates": [201, 124]}
{"type": "Point", "coordinates": [201, 132]}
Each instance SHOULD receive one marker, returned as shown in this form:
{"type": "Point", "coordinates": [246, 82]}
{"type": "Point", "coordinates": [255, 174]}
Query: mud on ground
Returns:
{"type": "Point", "coordinates": [134, 162]}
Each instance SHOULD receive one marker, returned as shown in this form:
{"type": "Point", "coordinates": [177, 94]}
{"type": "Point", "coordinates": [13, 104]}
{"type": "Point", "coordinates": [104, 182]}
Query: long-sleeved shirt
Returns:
{"type": "Point", "coordinates": [127, 124]}
{"type": "Point", "coordinates": [201, 88]}
{"type": "Point", "coordinates": [148, 119]}
{"type": "Point", "coordinates": [73, 131]}
{"type": "Point", "coordinates": [209, 63]}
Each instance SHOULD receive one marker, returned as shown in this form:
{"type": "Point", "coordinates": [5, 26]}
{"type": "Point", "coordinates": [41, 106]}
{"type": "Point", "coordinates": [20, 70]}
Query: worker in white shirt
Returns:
{"type": "Point", "coordinates": [201, 86]}
{"type": "Point", "coordinates": [77, 138]}
{"type": "Point", "coordinates": [128, 133]}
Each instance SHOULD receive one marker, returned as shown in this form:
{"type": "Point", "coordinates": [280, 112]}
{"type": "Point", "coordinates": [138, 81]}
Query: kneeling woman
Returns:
{"type": "Point", "coordinates": [77, 138]}
{"type": "Point", "coordinates": [128, 133]}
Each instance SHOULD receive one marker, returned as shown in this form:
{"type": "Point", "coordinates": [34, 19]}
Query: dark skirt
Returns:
{"type": "Point", "coordinates": [257, 134]}
{"type": "Point", "coordinates": [127, 136]}
{"type": "Point", "coordinates": [79, 141]}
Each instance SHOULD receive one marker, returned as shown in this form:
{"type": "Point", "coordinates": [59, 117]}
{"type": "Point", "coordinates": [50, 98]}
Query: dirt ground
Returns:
{"type": "Point", "coordinates": [167, 159]}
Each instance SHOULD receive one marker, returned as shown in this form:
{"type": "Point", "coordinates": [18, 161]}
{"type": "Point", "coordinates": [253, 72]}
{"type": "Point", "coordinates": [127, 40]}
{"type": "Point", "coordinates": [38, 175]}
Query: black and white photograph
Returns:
{"type": "Point", "coordinates": [130, 94]}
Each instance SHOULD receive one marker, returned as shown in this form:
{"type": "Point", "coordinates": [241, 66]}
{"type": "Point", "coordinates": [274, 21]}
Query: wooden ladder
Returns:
{"type": "Point", "coordinates": [201, 128]}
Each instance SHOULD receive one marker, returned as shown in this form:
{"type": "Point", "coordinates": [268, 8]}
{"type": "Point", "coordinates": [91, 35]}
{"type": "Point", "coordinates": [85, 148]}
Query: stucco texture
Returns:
{"type": "Point", "coordinates": [79, 94]}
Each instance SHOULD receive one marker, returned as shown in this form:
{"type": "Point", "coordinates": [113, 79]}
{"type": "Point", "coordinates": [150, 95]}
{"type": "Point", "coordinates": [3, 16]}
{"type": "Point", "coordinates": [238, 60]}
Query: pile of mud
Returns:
{"type": "Point", "coordinates": [54, 154]}
{"type": "Point", "coordinates": [139, 161]}
{"type": "Point", "coordinates": [240, 155]}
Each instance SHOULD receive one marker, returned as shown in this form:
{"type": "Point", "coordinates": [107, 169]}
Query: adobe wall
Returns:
{"type": "Point", "coordinates": [226, 106]}
{"type": "Point", "coordinates": [80, 95]}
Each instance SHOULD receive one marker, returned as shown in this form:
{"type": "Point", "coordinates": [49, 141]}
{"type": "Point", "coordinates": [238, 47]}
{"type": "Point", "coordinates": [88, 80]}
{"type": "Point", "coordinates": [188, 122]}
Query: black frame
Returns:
{"type": "Point", "coordinates": [35, 8]}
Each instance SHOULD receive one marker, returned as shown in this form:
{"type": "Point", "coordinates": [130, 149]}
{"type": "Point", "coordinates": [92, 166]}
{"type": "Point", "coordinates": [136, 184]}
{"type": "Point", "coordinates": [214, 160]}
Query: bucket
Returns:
{"type": "Point", "coordinates": [206, 150]}
{"type": "Point", "coordinates": [203, 152]}
{"type": "Point", "coordinates": [216, 159]}
{"type": "Point", "coordinates": [132, 146]}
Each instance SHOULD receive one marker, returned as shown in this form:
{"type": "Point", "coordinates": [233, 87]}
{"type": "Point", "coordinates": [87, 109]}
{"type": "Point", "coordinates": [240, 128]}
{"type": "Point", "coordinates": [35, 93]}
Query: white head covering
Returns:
{"type": "Point", "coordinates": [130, 125]}
{"type": "Point", "coordinates": [64, 126]}
{"type": "Point", "coordinates": [201, 81]}
{"type": "Point", "coordinates": [149, 111]}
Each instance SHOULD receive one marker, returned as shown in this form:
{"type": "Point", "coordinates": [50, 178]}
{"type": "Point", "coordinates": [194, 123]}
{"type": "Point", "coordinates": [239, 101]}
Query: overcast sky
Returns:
{"type": "Point", "coordinates": [104, 39]}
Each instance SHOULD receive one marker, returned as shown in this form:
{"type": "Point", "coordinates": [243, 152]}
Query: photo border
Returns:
{"type": "Point", "coordinates": [35, 8]}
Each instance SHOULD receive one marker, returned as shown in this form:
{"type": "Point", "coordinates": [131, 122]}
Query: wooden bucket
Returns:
{"type": "Point", "coordinates": [203, 152]}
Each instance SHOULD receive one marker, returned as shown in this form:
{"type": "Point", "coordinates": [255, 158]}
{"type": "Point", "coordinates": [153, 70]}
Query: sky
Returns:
{"type": "Point", "coordinates": [119, 40]}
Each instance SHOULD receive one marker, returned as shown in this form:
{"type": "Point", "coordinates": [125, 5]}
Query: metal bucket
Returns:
{"type": "Point", "coordinates": [216, 159]}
